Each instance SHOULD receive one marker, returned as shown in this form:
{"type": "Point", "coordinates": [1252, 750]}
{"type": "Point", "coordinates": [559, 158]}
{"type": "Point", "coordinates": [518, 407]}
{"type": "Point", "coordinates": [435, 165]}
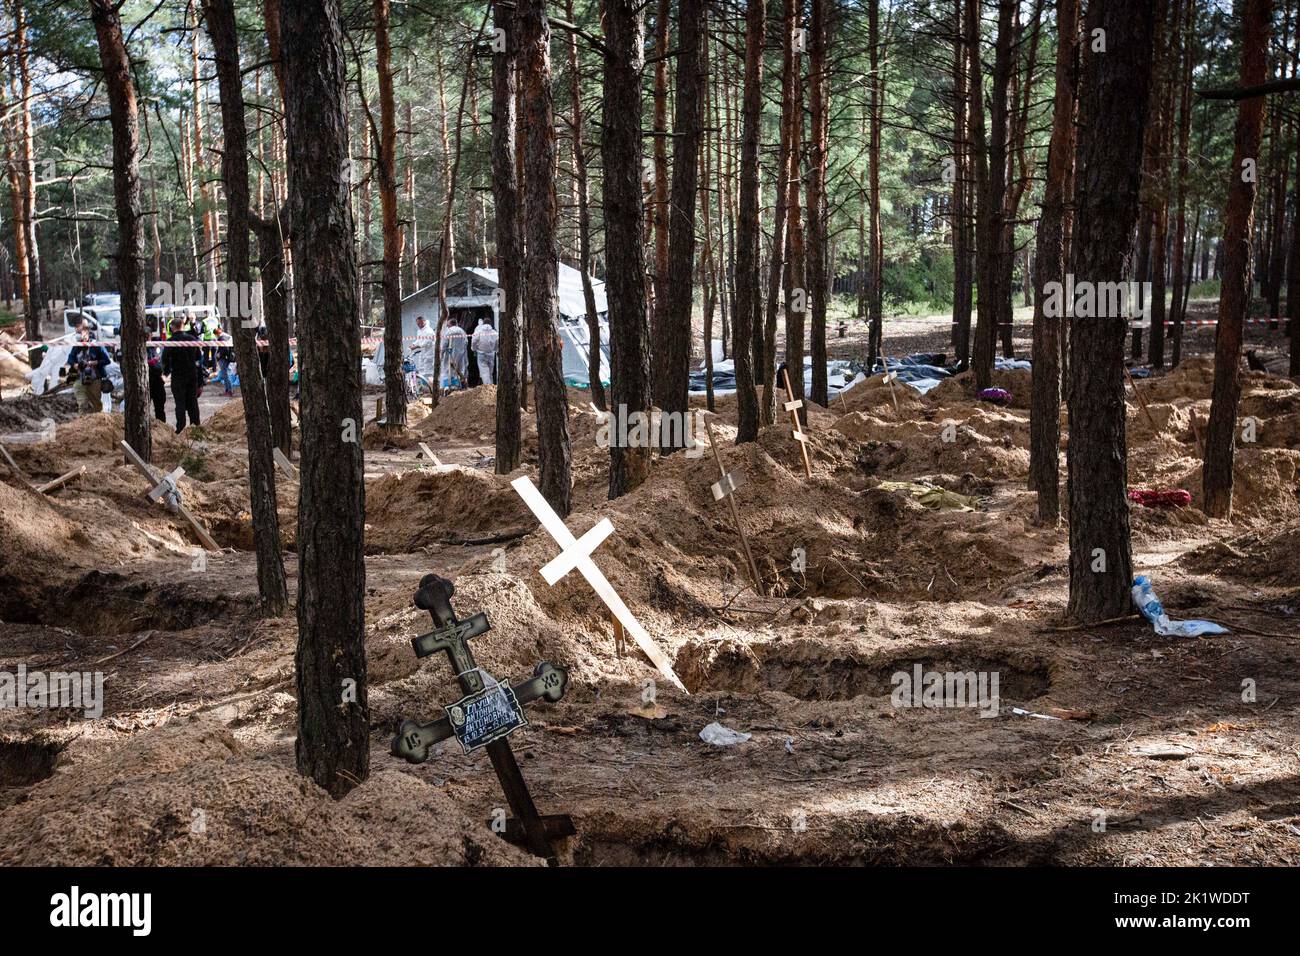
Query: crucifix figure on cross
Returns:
{"type": "Point", "coordinates": [485, 715]}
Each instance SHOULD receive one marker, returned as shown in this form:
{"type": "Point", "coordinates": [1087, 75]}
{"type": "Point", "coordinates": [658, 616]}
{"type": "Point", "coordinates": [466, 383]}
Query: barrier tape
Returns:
{"type": "Point", "coordinates": [169, 344]}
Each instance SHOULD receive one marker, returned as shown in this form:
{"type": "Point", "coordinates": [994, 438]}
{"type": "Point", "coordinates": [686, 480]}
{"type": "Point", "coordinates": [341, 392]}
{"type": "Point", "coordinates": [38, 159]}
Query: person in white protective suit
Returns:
{"type": "Point", "coordinates": [484, 344]}
{"type": "Point", "coordinates": [422, 353]}
{"type": "Point", "coordinates": [455, 356]}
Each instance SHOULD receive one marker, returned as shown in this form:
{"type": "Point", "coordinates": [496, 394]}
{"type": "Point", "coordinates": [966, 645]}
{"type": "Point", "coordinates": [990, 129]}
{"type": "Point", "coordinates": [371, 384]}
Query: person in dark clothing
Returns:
{"type": "Point", "coordinates": [89, 367]}
{"type": "Point", "coordinates": [157, 387]}
{"type": "Point", "coordinates": [184, 364]}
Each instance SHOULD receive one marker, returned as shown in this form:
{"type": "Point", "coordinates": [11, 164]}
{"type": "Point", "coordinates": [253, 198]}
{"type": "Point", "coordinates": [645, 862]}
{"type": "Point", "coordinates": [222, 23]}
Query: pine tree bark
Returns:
{"type": "Point", "coordinates": [272, 238]}
{"type": "Point", "coordinates": [796, 304]}
{"type": "Point", "coordinates": [1114, 97]}
{"type": "Point", "coordinates": [747, 227]}
{"type": "Point", "coordinates": [540, 264]}
{"type": "Point", "coordinates": [777, 269]}
{"type": "Point", "coordinates": [818, 288]}
{"type": "Point", "coordinates": [875, 239]}
{"type": "Point", "coordinates": [394, 379]}
{"type": "Point", "coordinates": [1045, 410]}
{"type": "Point", "coordinates": [1234, 296]}
{"type": "Point", "coordinates": [333, 745]}
{"type": "Point", "coordinates": [671, 385]}
{"type": "Point", "coordinates": [583, 190]}
{"type": "Point", "coordinates": [629, 326]}
{"type": "Point", "coordinates": [961, 305]}
{"type": "Point", "coordinates": [505, 195]}
{"type": "Point", "coordinates": [271, 588]}
{"type": "Point", "coordinates": [125, 120]}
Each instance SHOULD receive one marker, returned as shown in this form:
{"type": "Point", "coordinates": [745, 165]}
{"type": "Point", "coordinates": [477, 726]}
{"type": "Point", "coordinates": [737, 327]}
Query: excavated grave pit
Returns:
{"type": "Point", "coordinates": [25, 761]}
{"type": "Point", "coordinates": [813, 670]}
{"type": "Point", "coordinates": [109, 603]}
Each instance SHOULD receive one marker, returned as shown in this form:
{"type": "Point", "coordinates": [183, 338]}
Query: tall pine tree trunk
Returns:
{"type": "Point", "coordinates": [333, 713]}
{"type": "Point", "coordinates": [394, 379]}
{"type": "Point", "coordinates": [540, 264]}
{"type": "Point", "coordinates": [1113, 98]}
{"type": "Point", "coordinates": [629, 328]}
{"type": "Point", "coordinates": [747, 227]}
{"type": "Point", "coordinates": [271, 588]}
{"type": "Point", "coordinates": [1045, 413]}
{"type": "Point", "coordinates": [1234, 297]}
{"type": "Point", "coordinates": [672, 384]}
{"type": "Point", "coordinates": [130, 225]}
{"type": "Point", "coordinates": [505, 195]}
{"type": "Point", "coordinates": [817, 216]}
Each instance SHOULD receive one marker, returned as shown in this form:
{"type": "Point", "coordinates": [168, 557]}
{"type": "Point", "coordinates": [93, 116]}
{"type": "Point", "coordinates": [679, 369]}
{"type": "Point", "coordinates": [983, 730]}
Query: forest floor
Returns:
{"type": "Point", "coordinates": [1128, 747]}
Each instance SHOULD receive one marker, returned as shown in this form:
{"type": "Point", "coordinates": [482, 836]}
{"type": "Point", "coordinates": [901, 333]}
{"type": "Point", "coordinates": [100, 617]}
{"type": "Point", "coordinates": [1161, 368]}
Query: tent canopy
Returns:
{"type": "Point", "coordinates": [475, 288]}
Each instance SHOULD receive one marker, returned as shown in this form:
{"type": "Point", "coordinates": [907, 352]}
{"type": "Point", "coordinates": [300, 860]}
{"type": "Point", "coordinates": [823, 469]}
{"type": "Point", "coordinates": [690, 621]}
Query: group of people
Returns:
{"type": "Point", "coordinates": [187, 366]}
{"type": "Point", "coordinates": [456, 345]}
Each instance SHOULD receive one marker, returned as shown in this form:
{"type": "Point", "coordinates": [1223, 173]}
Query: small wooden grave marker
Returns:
{"type": "Point", "coordinates": [723, 488]}
{"type": "Point", "coordinates": [165, 486]}
{"type": "Point", "coordinates": [427, 452]}
{"type": "Point", "coordinates": [61, 480]}
{"type": "Point", "coordinates": [889, 378]}
{"type": "Point", "coordinates": [1141, 401]}
{"type": "Point", "coordinates": [485, 716]}
{"type": "Point", "coordinates": [792, 405]}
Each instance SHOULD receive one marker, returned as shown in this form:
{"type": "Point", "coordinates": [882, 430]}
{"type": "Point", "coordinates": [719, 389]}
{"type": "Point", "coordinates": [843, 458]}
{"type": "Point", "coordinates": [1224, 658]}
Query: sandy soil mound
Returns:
{"type": "Point", "coordinates": [409, 510]}
{"type": "Point", "coordinates": [1271, 556]}
{"type": "Point", "coordinates": [961, 388]}
{"type": "Point", "coordinates": [27, 412]}
{"type": "Point", "coordinates": [189, 794]}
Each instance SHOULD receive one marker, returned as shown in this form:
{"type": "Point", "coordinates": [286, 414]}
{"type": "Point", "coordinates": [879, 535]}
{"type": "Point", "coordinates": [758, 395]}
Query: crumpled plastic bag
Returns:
{"type": "Point", "coordinates": [1147, 602]}
{"type": "Point", "coordinates": [720, 736]}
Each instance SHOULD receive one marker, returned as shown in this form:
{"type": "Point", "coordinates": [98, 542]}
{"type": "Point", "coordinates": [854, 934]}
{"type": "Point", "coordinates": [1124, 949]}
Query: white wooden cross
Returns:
{"type": "Point", "coordinates": [575, 555]}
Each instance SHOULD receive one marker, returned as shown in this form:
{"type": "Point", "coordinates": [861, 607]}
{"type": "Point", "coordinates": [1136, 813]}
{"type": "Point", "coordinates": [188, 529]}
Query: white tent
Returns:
{"type": "Point", "coordinates": [473, 292]}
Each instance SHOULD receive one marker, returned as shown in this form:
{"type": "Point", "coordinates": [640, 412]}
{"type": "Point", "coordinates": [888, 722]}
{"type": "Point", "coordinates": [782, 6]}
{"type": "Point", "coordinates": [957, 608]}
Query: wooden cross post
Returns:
{"type": "Point", "coordinates": [724, 487]}
{"type": "Point", "coordinates": [484, 716]}
{"type": "Point", "coordinates": [1141, 400]}
{"type": "Point", "coordinates": [889, 378]}
{"type": "Point", "coordinates": [792, 405]}
{"type": "Point", "coordinates": [13, 467]}
{"type": "Point", "coordinates": [61, 480]}
{"type": "Point", "coordinates": [284, 464]}
{"type": "Point", "coordinates": [162, 485]}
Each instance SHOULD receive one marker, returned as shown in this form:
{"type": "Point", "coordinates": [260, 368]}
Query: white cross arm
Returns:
{"type": "Point", "coordinates": [568, 559]}
{"type": "Point", "coordinates": [575, 555]}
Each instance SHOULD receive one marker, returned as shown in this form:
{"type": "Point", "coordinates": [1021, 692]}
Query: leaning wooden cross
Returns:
{"type": "Point", "coordinates": [792, 405]}
{"type": "Point", "coordinates": [575, 555]}
{"type": "Point", "coordinates": [484, 716]}
{"type": "Point", "coordinates": [164, 489]}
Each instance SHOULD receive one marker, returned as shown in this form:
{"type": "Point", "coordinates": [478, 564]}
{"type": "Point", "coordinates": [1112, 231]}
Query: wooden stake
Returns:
{"type": "Point", "coordinates": [1200, 446]}
{"type": "Point", "coordinates": [620, 638]}
{"type": "Point", "coordinates": [735, 512]}
{"type": "Point", "coordinates": [153, 478]}
{"type": "Point", "coordinates": [792, 405]}
{"type": "Point", "coordinates": [889, 378]}
{"type": "Point", "coordinates": [61, 480]}
{"type": "Point", "coordinates": [13, 466]}
{"type": "Point", "coordinates": [1141, 399]}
